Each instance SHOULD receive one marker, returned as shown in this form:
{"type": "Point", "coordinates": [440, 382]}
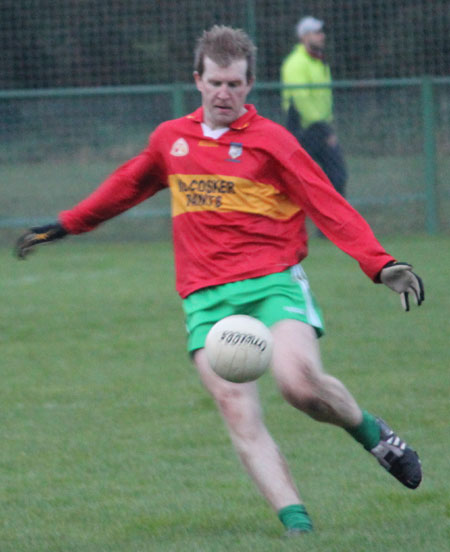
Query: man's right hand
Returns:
{"type": "Point", "coordinates": [36, 236]}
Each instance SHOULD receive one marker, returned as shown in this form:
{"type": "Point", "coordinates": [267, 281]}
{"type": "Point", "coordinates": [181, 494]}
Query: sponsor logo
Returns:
{"type": "Point", "coordinates": [210, 192]}
{"type": "Point", "coordinates": [179, 148]}
{"type": "Point", "coordinates": [205, 192]}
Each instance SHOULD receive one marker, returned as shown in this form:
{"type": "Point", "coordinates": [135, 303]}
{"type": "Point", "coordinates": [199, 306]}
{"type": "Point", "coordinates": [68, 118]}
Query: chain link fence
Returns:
{"type": "Point", "coordinates": [83, 83]}
{"type": "Point", "coordinates": [53, 43]}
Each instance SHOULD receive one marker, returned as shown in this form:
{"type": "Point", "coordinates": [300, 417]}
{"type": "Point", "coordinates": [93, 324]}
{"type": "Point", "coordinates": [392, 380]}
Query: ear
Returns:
{"type": "Point", "coordinates": [198, 80]}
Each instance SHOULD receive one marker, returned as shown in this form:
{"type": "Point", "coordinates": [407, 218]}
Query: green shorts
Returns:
{"type": "Point", "coordinates": [269, 298]}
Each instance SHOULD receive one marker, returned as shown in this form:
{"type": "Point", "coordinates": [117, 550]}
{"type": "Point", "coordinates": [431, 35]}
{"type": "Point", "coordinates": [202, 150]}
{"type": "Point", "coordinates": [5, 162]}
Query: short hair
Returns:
{"type": "Point", "coordinates": [223, 45]}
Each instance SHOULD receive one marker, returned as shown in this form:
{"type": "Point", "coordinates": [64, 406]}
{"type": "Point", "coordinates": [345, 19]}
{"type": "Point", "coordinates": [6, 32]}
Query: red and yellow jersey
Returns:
{"type": "Point", "coordinates": [238, 202]}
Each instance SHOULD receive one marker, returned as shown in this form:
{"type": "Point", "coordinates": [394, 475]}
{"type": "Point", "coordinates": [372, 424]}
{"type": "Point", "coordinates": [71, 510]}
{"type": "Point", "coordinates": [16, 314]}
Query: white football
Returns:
{"type": "Point", "coordinates": [239, 348]}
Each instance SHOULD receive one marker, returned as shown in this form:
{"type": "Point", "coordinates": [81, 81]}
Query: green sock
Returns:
{"type": "Point", "coordinates": [368, 431]}
{"type": "Point", "coordinates": [295, 516]}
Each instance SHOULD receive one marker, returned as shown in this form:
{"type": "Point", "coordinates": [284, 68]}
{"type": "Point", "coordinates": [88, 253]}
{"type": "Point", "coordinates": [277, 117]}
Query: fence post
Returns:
{"type": "Point", "coordinates": [251, 19]}
{"type": "Point", "coordinates": [429, 148]}
{"type": "Point", "coordinates": [178, 100]}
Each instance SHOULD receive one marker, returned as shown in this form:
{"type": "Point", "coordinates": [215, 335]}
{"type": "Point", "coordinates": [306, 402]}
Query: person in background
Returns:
{"type": "Point", "coordinates": [309, 111]}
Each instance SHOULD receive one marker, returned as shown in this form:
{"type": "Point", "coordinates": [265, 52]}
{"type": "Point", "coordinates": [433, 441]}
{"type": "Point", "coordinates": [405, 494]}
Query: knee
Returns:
{"type": "Point", "coordinates": [241, 414]}
{"type": "Point", "coordinates": [304, 399]}
{"type": "Point", "coordinates": [302, 389]}
{"type": "Point", "coordinates": [228, 402]}
{"type": "Point", "coordinates": [308, 401]}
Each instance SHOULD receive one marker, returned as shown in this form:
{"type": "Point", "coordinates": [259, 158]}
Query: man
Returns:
{"type": "Point", "coordinates": [241, 186]}
{"type": "Point", "coordinates": [309, 111]}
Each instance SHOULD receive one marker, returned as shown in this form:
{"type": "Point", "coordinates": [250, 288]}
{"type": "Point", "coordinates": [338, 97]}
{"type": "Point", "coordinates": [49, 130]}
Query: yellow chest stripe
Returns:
{"type": "Point", "coordinates": [191, 193]}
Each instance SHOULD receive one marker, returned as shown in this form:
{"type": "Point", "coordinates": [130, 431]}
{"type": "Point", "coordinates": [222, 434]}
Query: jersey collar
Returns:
{"type": "Point", "coordinates": [239, 124]}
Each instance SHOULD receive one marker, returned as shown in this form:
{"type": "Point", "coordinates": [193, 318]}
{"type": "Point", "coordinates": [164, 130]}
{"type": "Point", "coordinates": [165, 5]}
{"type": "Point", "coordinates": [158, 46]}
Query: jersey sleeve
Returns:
{"type": "Point", "coordinates": [133, 182]}
{"type": "Point", "coordinates": [308, 186]}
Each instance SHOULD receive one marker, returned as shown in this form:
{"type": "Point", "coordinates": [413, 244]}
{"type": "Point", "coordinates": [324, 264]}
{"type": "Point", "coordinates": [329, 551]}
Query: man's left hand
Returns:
{"type": "Point", "coordinates": [400, 278]}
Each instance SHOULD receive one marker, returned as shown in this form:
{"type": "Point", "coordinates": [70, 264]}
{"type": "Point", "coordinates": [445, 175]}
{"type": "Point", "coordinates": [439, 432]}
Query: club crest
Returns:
{"type": "Point", "coordinates": [179, 148]}
{"type": "Point", "coordinates": [235, 150]}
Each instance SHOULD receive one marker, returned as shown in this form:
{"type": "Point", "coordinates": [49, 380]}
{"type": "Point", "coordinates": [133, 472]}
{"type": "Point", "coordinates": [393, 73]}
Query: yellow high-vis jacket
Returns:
{"type": "Point", "coordinates": [312, 104]}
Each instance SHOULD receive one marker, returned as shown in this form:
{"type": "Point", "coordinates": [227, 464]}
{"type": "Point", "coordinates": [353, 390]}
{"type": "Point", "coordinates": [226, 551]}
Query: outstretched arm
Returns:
{"type": "Point", "coordinates": [310, 188]}
{"type": "Point", "coordinates": [132, 183]}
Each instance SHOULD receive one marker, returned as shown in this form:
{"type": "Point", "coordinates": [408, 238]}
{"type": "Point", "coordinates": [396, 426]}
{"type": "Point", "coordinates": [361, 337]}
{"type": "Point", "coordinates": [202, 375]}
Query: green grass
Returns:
{"type": "Point", "coordinates": [109, 443]}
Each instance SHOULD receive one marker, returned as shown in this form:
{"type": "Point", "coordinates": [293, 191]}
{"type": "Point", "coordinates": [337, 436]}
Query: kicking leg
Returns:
{"type": "Point", "coordinates": [298, 371]}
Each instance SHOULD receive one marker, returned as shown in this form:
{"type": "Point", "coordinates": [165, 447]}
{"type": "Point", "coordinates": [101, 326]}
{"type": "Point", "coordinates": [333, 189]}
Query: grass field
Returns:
{"type": "Point", "coordinates": [109, 443]}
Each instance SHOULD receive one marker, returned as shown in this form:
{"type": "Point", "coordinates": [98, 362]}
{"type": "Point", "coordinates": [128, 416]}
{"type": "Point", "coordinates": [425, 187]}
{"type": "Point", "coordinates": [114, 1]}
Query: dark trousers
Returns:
{"type": "Point", "coordinates": [320, 141]}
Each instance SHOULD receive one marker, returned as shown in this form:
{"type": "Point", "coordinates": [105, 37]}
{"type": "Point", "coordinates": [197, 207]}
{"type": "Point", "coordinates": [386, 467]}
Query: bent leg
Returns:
{"type": "Point", "coordinates": [298, 371]}
{"type": "Point", "coordinates": [240, 408]}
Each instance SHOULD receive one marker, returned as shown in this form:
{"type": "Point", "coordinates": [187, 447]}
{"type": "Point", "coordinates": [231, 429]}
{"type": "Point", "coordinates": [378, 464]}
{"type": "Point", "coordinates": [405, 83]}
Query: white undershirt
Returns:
{"type": "Point", "coordinates": [215, 133]}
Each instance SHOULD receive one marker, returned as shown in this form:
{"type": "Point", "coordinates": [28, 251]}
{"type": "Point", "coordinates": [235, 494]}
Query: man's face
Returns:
{"type": "Point", "coordinates": [314, 40]}
{"type": "Point", "coordinates": [224, 91]}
